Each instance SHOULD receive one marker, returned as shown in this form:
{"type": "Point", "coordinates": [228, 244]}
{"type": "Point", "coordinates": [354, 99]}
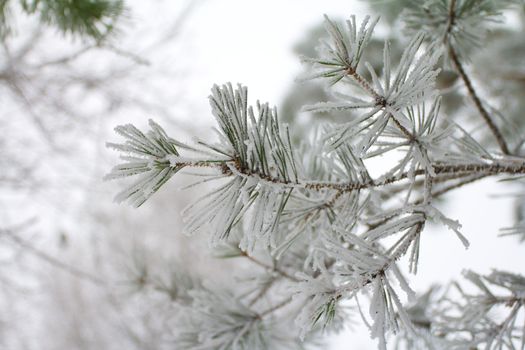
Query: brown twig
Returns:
{"type": "Point", "coordinates": [468, 82]}
{"type": "Point", "coordinates": [477, 102]}
{"type": "Point", "coordinates": [275, 307]}
{"type": "Point", "coordinates": [270, 267]}
{"type": "Point", "coordinates": [364, 84]}
{"type": "Point", "coordinates": [459, 184]}
{"type": "Point", "coordinates": [440, 168]}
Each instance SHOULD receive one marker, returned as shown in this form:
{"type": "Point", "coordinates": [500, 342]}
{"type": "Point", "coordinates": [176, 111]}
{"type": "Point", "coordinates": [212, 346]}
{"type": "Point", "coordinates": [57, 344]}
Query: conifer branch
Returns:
{"type": "Point", "coordinates": [440, 168]}
{"type": "Point", "coordinates": [334, 228]}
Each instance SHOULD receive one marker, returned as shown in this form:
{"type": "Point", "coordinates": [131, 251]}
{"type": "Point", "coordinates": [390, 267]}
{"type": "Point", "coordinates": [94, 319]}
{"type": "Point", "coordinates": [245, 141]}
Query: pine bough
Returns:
{"type": "Point", "coordinates": [93, 19]}
{"type": "Point", "coordinates": [326, 232]}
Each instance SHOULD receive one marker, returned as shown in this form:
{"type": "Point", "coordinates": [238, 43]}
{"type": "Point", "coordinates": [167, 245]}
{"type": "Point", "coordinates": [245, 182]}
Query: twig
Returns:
{"type": "Point", "coordinates": [270, 267]}
{"type": "Point", "coordinates": [458, 185]}
{"type": "Point", "coordinates": [51, 260]}
{"type": "Point", "coordinates": [364, 84]}
{"type": "Point", "coordinates": [477, 102]}
{"type": "Point", "coordinates": [261, 293]}
{"type": "Point", "coordinates": [467, 169]}
{"type": "Point", "coordinates": [65, 59]}
{"type": "Point", "coordinates": [275, 307]}
{"type": "Point", "coordinates": [468, 83]}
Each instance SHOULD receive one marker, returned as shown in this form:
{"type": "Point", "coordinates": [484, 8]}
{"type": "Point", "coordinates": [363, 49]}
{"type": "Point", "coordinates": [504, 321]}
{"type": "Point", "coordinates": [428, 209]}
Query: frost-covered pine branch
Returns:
{"type": "Point", "coordinates": [486, 312]}
{"type": "Point", "coordinates": [472, 321]}
{"type": "Point", "coordinates": [326, 230]}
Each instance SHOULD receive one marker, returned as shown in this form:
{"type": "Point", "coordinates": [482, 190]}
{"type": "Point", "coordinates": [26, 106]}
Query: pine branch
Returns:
{"type": "Point", "coordinates": [440, 168]}
{"type": "Point", "coordinates": [412, 83]}
{"type": "Point", "coordinates": [342, 229]}
{"type": "Point", "coordinates": [90, 18]}
{"type": "Point", "coordinates": [476, 318]}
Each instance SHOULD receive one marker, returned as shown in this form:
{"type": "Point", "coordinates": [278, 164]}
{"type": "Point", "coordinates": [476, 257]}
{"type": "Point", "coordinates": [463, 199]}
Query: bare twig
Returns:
{"type": "Point", "coordinates": [270, 267]}
{"type": "Point", "coordinates": [52, 260]}
{"type": "Point", "coordinates": [275, 307]}
{"type": "Point", "coordinates": [468, 82]}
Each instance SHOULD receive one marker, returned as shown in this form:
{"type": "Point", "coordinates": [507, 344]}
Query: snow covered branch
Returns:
{"type": "Point", "coordinates": [332, 229]}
